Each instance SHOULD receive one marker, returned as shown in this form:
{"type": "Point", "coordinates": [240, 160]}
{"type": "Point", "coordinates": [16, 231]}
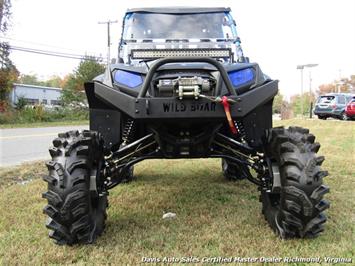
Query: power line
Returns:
{"type": "Point", "coordinates": [42, 51]}
{"type": "Point", "coordinates": [54, 53]}
{"type": "Point", "coordinates": [36, 43]}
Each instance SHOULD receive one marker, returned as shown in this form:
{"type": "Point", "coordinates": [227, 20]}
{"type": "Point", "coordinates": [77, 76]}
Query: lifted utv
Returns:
{"type": "Point", "coordinates": [182, 88]}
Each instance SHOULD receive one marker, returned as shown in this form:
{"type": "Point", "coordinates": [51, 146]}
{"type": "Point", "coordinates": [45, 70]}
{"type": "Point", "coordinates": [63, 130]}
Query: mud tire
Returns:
{"type": "Point", "coordinates": [298, 209]}
{"type": "Point", "coordinates": [76, 214]}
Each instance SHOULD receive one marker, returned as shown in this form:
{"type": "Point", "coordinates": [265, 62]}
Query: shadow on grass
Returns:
{"type": "Point", "coordinates": [201, 198]}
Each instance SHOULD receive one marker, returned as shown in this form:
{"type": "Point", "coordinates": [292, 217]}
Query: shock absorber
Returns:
{"type": "Point", "coordinates": [241, 128]}
{"type": "Point", "coordinates": [128, 131]}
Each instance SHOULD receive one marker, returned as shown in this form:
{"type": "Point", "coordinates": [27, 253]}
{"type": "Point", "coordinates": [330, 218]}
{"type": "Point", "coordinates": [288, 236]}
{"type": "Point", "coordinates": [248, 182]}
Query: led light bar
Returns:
{"type": "Point", "coordinates": [162, 53]}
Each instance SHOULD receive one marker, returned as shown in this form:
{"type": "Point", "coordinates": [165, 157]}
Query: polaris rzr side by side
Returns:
{"type": "Point", "coordinates": [182, 88]}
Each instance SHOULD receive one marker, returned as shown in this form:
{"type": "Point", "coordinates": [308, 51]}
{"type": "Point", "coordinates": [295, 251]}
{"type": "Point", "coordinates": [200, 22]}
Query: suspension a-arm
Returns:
{"type": "Point", "coordinates": [118, 162]}
{"type": "Point", "coordinates": [243, 155]}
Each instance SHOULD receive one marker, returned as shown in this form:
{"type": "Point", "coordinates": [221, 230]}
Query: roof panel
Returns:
{"type": "Point", "coordinates": [178, 10]}
{"type": "Point", "coordinates": [35, 86]}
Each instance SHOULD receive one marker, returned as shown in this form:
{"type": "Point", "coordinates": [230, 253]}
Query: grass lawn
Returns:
{"type": "Point", "coordinates": [214, 217]}
{"type": "Point", "coordinates": [46, 124]}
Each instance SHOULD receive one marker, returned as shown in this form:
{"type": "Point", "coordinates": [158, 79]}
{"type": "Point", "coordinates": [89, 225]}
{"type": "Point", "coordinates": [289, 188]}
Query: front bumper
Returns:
{"type": "Point", "coordinates": [166, 108]}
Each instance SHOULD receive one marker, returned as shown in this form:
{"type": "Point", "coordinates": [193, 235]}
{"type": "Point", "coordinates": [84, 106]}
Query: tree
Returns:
{"type": "Point", "coordinates": [8, 72]}
{"type": "Point", "coordinates": [32, 79]}
{"type": "Point", "coordinates": [296, 102]}
{"type": "Point", "coordinates": [286, 110]}
{"type": "Point", "coordinates": [5, 6]}
{"type": "Point", "coordinates": [341, 85]}
{"type": "Point", "coordinates": [73, 85]}
{"type": "Point", "coordinates": [5, 14]}
{"type": "Point", "coordinates": [29, 79]}
{"type": "Point", "coordinates": [326, 88]}
{"type": "Point", "coordinates": [277, 104]}
{"type": "Point", "coordinates": [346, 84]}
{"type": "Point", "coordinates": [54, 81]}
{"type": "Point", "coordinates": [21, 103]}
{"type": "Point", "coordinates": [8, 75]}
{"type": "Point", "coordinates": [71, 91]}
{"type": "Point", "coordinates": [88, 69]}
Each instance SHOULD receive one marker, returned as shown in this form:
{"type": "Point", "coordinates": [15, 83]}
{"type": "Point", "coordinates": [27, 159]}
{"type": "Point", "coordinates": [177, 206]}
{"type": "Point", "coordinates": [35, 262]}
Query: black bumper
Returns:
{"type": "Point", "coordinates": [171, 108]}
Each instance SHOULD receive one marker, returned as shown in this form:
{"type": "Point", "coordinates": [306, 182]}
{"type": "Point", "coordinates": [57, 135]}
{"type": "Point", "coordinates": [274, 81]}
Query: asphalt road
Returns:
{"type": "Point", "coordinates": [18, 145]}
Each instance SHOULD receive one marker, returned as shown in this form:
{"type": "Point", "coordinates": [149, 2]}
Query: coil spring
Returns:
{"type": "Point", "coordinates": [128, 131]}
{"type": "Point", "coordinates": [239, 125]}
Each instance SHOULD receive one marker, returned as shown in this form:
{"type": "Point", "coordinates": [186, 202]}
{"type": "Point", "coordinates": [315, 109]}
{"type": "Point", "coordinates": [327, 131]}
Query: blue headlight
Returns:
{"type": "Point", "coordinates": [129, 79]}
{"type": "Point", "coordinates": [240, 77]}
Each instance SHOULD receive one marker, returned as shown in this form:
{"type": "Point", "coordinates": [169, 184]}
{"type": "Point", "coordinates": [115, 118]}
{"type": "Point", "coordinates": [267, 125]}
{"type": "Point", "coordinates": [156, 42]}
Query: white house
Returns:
{"type": "Point", "coordinates": [35, 94]}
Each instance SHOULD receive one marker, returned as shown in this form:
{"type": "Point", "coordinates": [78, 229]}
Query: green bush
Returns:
{"type": "Point", "coordinates": [40, 114]}
{"type": "Point", "coordinates": [21, 103]}
{"type": "Point", "coordinates": [7, 117]}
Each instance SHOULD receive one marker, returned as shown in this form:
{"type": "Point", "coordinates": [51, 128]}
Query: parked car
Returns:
{"type": "Point", "coordinates": [350, 109]}
{"type": "Point", "coordinates": [332, 105]}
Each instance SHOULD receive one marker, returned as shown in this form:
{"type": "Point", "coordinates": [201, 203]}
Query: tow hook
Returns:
{"type": "Point", "coordinates": [226, 102]}
{"type": "Point", "coordinates": [226, 105]}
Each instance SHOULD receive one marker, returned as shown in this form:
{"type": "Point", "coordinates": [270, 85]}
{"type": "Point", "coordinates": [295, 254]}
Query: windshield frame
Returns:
{"type": "Point", "coordinates": [227, 23]}
{"type": "Point", "coordinates": [125, 46]}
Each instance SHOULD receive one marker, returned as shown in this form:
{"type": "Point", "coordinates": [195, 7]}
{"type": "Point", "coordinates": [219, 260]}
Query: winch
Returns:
{"type": "Point", "coordinates": [189, 87]}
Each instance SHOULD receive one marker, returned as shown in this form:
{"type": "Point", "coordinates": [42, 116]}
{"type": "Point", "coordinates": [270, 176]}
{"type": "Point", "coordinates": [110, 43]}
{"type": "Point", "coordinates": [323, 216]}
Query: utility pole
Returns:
{"type": "Point", "coordinates": [109, 22]}
{"type": "Point", "coordinates": [337, 85]}
{"type": "Point", "coordinates": [310, 94]}
{"type": "Point", "coordinates": [301, 67]}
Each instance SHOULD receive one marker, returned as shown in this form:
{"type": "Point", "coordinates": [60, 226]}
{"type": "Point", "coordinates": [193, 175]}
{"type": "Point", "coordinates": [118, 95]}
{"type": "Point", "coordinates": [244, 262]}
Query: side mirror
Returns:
{"type": "Point", "coordinates": [113, 60]}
